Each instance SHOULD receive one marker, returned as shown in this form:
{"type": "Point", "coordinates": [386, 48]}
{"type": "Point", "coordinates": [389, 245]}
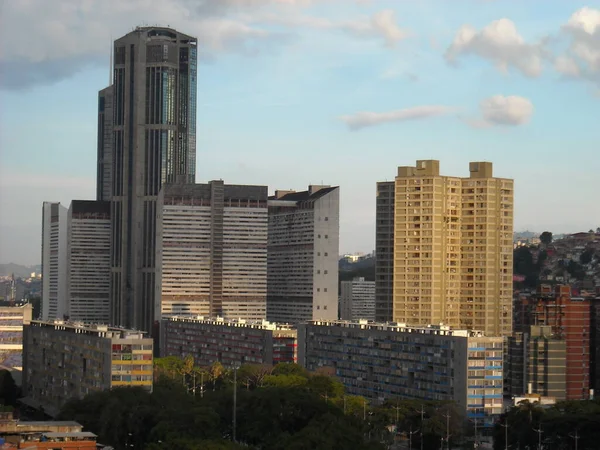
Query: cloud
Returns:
{"type": "Point", "coordinates": [500, 43]}
{"type": "Point", "coordinates": [381, 25]}
{"type": "Point", "coordinates": [46, 41]}
{"type": "Point", "coordinates": [504, 111]}
{"type": "Point", "coordinates": [582, 58]}
{"type": "Point", "coordinates": [367, 119]}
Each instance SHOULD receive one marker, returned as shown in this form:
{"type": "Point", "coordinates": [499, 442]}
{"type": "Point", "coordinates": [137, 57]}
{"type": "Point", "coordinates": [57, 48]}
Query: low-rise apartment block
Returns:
{"type": "Point", "coordinates": [386, 361]}
{"type": "Point", "coordinates": [12, 320]}
{"type": "Point", "coordinates": [230, 342]}
{"type": "Point", "coordinates": [63, 360]}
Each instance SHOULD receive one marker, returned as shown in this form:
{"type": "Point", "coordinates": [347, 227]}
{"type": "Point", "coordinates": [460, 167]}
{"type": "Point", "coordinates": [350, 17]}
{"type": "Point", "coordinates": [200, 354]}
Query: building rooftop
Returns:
{"type": "Point", "coordinates": [441, 330]}
{"type": "Point", "coordinates": [258, 324]}
{"type": "Point", "coordinates": [90, 207]}
{"type": "Point", "coordinates": [310, 195]}
{"type": "Point", "coordinates": [105, 331]}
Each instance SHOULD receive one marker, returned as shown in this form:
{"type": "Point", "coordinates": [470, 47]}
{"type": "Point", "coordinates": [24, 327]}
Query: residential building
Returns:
{"type": "Point", "coordinates": [211, 250]}
{"type": "Point", "coordinates": [54, 257]}
{"type": "Point", "coordinates": [357, 300]}
{"type": "Point", "coordinates": [88, 261]}
{"type": "Point", "coordinates": [569, 319]}
{"type": "Point", "coordinates": [302, 255]}
{"type": "Point", "coordinates": [453, 248]}
{"type": "Point", "coordinates": [230, 342]}
{"type": "Point", "coordinates": [12, 320]}
{"type": "Point", "coordinates": [384, 253]}
{"type": "Point", "coordinates": [384, 361]}
{"type": "Point", "coordinates": [595, 343]}
{"type": "Point", "coordinates": [154, 143]}
{"type": "Point", "coordinates": [537, 363]}
{"type": "Point", "coordinates": [105, 144]}
{"type": "Point", "coordinates": [63, 360]}
{"type": "Point", "coordinates": [52, 435]}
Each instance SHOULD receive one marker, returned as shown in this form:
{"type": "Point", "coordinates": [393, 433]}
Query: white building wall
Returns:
{"type": "Point", "coordinates": [245, 263]}
{"type": "Point", "coordinates": [357, 300]}
{"type": "Point", "coordinates": [54, 260]}
{"type": "Point", "coordinates": [325, 256]}
{"type": "Point", "coordinates": [88, 279]}
{"type": "Point", "coordinates": [183, 256]}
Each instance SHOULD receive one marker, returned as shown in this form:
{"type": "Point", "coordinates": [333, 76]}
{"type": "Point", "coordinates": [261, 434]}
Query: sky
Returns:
{"type": "Point", "coordinates": [299, 92]}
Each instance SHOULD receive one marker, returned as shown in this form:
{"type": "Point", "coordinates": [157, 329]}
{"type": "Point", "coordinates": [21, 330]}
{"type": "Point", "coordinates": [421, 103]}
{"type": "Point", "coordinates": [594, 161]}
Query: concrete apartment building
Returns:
{"type": "Point", "coordinates": [384, 251]}
{"type": "Point", "coordinates": [54, 257]}
{"type": "Point", "coordinates": [63, 360]}
{"type": "Point", "coordinates": [565, 322]}
{"type": "Point", "coordinates": [303, 249]}
{"type": "Point", "coordinates": [211, 251]}
{"type": "Point", "coordinates": [453, 248]}
{"type": "Point", "coordinates": [537, 363]}
{"type": "Point", "coordinates": [357, 299]}
{"type": "Point", "coordinates": [88, 261]}
{"type": "Point", "coordinates": [12, 320]}
{"type": "Point", "coordinates": [383, 361]}
{"type": "Point", "coordinates": [231, 342]}
{"type": "Point", "coordinates": [153, 143]}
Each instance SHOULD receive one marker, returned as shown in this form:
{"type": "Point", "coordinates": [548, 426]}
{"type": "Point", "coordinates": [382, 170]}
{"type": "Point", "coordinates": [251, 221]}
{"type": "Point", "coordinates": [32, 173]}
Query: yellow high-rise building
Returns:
{"type": "Point", "coordinates": [453, 248]}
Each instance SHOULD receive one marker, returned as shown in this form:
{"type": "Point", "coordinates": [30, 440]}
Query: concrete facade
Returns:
{"type": "Point", "coordinates": [303, 249]}
{"type": "Point", "coordinates": [54, 260]}
{"type": "Point", "coordinates": [154, 143]}
{"type": "Point", "coordinates": [230, 342]}
{"type": "Point", "coordinates": [537, 363]}
{"type": "Point", "coordinates": [386, 361]}
{"type": "Point", "coordinates": [63, 360]}
{"type": "Point", "coordinates": [88, 262]}
{"type": "Point", "coordinates": [211, 251]}
{"type": "Point", "coordinates": [12, 320]}
{"type": "Point", "coordinates": [453, 248]}
{"type": "Point", "coordinates": [105, 144]}
{"type": "Point", "coordinates": [384, 251]}
{"type": "Point", "coordinates": [357, 300]}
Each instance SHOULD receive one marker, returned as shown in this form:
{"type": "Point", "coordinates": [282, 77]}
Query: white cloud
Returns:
{"type": "Point", "coordinates": [500, 110]}
{"type": "Point", "coordinates": [367, 119]}
{"type": "Point", "coordinates": [582, 58]}
{"type": "Point", "coordinates": [500, 43]}
{"type": "Point", "coordinates": [381, 25]}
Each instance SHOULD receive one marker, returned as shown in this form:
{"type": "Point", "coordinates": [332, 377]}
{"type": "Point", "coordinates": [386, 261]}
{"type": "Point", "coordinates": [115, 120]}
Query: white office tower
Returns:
{"type": "Point", "coordinates": [88, 261]}
{"type": "Point", "coordinates": [357, 300]}
{"type": "Point", "coordinates": [303, 254]}
{"type": "Point", "coordinates": [211, 250]}
{"type": "Point", "coordinates": [54, 250]}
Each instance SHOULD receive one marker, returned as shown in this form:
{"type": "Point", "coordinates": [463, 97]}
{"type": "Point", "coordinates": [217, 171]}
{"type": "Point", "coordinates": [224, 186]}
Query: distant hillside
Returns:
{"type": "Point", "coordinates": [17, 269]}
{"type": "Point", "coordinates": [362, 268]}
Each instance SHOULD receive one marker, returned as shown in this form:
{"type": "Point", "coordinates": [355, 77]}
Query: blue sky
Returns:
{"type": "Point", "coordinates": [283, 88]}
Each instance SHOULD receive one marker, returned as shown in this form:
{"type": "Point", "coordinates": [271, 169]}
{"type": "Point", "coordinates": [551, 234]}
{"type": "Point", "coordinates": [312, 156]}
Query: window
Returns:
{"type": "Point", "coordinates": [325, 290]}
{"type": "Point", "coordinates": [326, 236]}
{"type": "Point", "coordinates": [326, 219]}
{"type": "Point", "coordinates": [318, 307]}
{"type": "Point", "coordinates": [326, 254]}
{"type": "Point", "coordinates": [325, 272]}
{"type": "Point", "coordinates": [318, 289]}
{"type": "Point", "coordinates": [325, 307]}
{"type": "Point", "coordinates": [319, 236]}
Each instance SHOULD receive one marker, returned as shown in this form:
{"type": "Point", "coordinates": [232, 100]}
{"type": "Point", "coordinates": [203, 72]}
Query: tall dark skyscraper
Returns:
{"type": "Point", "coordinates": [153, 143]}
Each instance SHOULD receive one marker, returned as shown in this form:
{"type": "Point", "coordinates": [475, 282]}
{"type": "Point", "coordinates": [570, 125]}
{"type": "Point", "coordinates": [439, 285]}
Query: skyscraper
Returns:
{"type": "Point", "coordinates": [384, 251]}
{"type": "Point", "coordinates": [54, 254]}
{"type": "Point", "coordinates": [211, 254]}
{"type": "Point", "coordinates": [453, 248]}
{"type": "Point", "coordinates": [302, 256]}
{"type": "Point", "coordinates": [88, 261]}
{"type": "Point", "coordinates": [154, 142]}
{"type": "Point", "coordinates": [105, 139]}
